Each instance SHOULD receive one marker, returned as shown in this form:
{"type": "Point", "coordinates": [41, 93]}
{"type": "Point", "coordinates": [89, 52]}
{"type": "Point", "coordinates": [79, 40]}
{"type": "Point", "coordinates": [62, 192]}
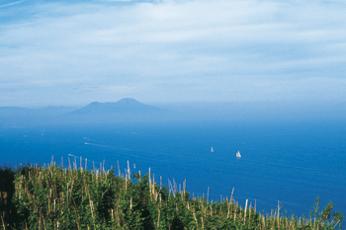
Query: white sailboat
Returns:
{"type": "Point", "coordinates": [238, 155]}
{"type": "Point", "coordinates": [212, 149]}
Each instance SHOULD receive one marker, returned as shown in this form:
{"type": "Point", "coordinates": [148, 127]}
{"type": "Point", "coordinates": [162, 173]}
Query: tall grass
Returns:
{"type": "Point", "coordinates": [76, 198]}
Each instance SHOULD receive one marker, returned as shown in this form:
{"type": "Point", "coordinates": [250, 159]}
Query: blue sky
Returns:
{"type": "Point", "coordinates": [74, 52]}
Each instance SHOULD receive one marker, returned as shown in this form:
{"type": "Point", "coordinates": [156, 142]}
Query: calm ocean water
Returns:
{"type": "Point", "coordinates": [293, 162]}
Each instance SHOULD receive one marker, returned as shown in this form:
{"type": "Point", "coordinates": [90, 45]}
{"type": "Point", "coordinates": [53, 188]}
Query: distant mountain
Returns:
{"type": "Point", "coordinates": [124, 110]}
{"type": "Point", "coordinates": [11, 116]}
{"type": "Point", "coordinates": [125, 105]}
{"type": "Point", "coordinates": [11, 110]}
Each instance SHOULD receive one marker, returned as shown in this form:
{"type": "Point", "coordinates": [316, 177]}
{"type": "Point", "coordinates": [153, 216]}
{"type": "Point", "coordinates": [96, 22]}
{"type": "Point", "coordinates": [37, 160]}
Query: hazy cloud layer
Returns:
{"type": "Point", "coordinates": [73, 52]}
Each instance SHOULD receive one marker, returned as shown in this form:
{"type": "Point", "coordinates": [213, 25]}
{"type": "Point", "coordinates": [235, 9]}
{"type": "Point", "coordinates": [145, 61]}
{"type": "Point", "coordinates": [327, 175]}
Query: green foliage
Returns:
{"type": "Point", "coordinates": [6, 193]}
{"type": "Point", "coordinates": [75, 198]}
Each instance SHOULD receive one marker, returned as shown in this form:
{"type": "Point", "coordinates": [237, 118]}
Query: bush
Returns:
{"type": "Point", "coordinates": [75, 198]}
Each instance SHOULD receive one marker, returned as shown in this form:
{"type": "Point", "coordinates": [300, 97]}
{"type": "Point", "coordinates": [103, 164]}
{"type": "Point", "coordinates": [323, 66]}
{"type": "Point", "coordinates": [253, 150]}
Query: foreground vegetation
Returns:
{"type": "Point", "coordinates": [75, 198]}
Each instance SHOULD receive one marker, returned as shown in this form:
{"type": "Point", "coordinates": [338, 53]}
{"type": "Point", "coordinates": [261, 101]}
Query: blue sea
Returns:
{"type": "Point", "coordinates": [290, 162]}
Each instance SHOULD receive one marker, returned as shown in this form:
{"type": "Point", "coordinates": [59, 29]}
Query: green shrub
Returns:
{"type": "Point", "coordinates": [75, 198]}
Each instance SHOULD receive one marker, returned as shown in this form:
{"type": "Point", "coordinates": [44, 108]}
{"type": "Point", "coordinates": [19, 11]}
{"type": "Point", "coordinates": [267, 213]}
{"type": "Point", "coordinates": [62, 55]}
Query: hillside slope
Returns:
{"type": "Point", "coordinates": [76, 198]}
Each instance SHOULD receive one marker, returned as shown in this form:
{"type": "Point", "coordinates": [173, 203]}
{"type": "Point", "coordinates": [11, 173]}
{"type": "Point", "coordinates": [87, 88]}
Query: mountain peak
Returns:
{"type": "Point", "coordinates": [124, 105]}
{"type": "Point", "coordinates": [128, 100]}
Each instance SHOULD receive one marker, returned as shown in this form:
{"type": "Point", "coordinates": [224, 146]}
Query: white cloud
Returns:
{"type": "Point", "coordinates": [208, 49]}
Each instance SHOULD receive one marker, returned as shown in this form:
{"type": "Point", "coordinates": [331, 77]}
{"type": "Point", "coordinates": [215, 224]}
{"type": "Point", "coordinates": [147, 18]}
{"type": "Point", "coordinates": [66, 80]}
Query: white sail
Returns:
{"type": "Point", "coordinates": [238, 155]}
{"type": "Point", "coordinates": [212, 149]}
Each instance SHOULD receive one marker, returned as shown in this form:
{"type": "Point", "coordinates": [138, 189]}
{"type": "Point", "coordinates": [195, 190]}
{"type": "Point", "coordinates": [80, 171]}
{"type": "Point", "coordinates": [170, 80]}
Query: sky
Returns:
{"type": "Point", "coordinates": [73, 52]}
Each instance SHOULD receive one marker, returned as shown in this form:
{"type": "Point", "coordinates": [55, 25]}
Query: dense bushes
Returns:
{"type": "Point", "coordinates": [75, 198]}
